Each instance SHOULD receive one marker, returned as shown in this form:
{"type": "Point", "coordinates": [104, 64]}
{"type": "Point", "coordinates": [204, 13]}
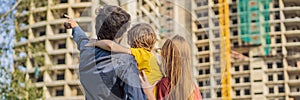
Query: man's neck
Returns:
{"type": "Point", "coordinates": [117, 40]}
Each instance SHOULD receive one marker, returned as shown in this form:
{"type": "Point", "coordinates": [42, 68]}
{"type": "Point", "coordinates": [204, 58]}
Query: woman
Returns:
{"type": "Point", "coordinates": [178, 82]}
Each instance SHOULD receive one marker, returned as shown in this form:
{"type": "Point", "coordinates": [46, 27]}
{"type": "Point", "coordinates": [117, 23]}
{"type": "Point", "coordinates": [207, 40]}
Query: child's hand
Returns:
{"type": "Point", "coordinates": [147, 87]}
{"type": "Point", "coordinates": [92, 42]}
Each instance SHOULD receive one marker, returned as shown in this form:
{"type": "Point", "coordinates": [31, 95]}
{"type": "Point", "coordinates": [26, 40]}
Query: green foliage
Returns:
{"type": "Point", "coordinates": [20, 34]}
{"type": "Point", "coordinates": [40, 3]}
{"type": "Point", "coordinates": [38, 61]}
{"type": "Point", "coordinates": [24, 5]}
{"type": "Point", "coordinates": [20, 88]}
{"type": "Point", "coordinates": [37, 47]}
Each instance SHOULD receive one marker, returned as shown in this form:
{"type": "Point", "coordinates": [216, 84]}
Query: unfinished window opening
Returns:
{"type": "Point", "coordinates": [247, 91]}
{"type": "Point", "coordinates": [206, 59]}
{"type": "Point", "coordinates": [246, 79]}
{"type": "Point", "coordinates": [205, 14]}
{"type": "Point", "coordinates": [237, 68]}
{"type": "Point", "coordinates": [200, 60]}
{"type": "Point", "coordinates": [41, 3]}
{"type": "Point", "coordinates": [216, 23]}
{"type": "Point", "coordinates": [234, 21]}
{"type": "Point", "coordinates": [275, 4]}
{"type": "Point", "coordinates": [271, 90]}
{"type": "Point", "coordinates": [279, 64]}
{"type": "Point", "coordinates": [270, 65]}
{"type": "Point", "coordinates": [219, 93]}
{"type": "Point", "coordinates": [217, 46]}
{"type": "Point", "coordinates": [235, 44]}
{"type": "Point", "coordinates": [34, 78]}
{"type": "Point", "coordinates": [60, 76]}
{"type": "Point", "coordinates": [39, 31]}
{"type": "Point", "coordinates": [76, 91]}
{"type": "Point", "coordinates": [235, 32]}
{"type": "Point", "coordinates": [278, 39]}
{"type": "Point", "coordinates": [63, 1]}
{"type": "Point", "coordinates": [237, 80]}
{"type": "Point", "coordinates": [199, 49]}
{"type": "Point", "coordinates": [217, 34]}
{"type": "Point", "coordinates": [207, 71]}
{"type": "Point", "coordinates": [23, 21]}
{"type": "Point", "coordinates": [40, 16]}
{"type": "Point", "coordinates": [199, 4]}
{"type": "Point", "coordinates": [58, 44]}
{"type": "Point", "coordinates": [199, 26]}
{"type": "Point", "coordinates": [233, 9]}
{"type": "Point", "coordinates": [246, 67]}
{"type": "Point", "coordinates": [216, 11]}
{"type": "Point", "coordinates": [218, 70]}
{"type": "Point", "coordinates": [280, 77]}
{"type": "Point", "coordinates": [40, 78]}
{"type": "Point", "coordinates": [281, 89]}
{"type": "Point", "coordinates": [218, 81]}
{"type": "Point", "coordinates": [59, 92]}
{"type": "Point", "coordinates": [58, 29]}
{"type": "Point", "coordinates": [200, 72]}
{"type": "Point", "coordinates": [270, 77]}
{"type": "Point", "coordinates": [83, 0]}
{"type": "Point", "coordinates": [237, 92]}
{"type": "Point", "coordinates": [277, 15]}
{"type": "Point", "coordinates": [216, 1]}
{"type": "Point", "coordinates": [59, 13]}
{"type": "Point", "coordinates": [58, 59]}
{"type": "Point", "coordinates": [200, 83]}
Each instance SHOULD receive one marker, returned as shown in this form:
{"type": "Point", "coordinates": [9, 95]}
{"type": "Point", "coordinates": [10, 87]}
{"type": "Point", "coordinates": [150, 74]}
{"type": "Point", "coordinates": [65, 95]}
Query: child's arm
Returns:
{"type": "Point", "coordinates": [109, 46]}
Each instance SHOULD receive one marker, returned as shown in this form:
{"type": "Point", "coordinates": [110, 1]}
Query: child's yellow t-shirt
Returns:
{"type": "Point", "coordinates": [146, 61]}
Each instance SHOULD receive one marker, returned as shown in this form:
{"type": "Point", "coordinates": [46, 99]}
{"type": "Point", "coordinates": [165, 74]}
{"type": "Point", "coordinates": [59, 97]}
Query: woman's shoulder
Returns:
{"type": "Point", "coordinates": [163, 84]}
{"type": "Point", "coordinates": [164, 80]}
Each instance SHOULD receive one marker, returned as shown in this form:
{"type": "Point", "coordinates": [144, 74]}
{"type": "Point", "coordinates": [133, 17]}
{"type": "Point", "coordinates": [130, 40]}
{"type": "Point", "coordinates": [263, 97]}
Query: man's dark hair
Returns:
{"type": "Point", "coordinates": [111, 22]}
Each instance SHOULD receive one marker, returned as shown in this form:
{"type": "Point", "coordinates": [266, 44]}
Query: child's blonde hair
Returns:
{"type": "Point", "coordinates": [141, 36]}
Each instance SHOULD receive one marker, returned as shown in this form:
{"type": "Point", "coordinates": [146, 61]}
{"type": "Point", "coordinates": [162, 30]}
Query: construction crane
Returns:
{"type": "Point", "coordinates": [225, 49]}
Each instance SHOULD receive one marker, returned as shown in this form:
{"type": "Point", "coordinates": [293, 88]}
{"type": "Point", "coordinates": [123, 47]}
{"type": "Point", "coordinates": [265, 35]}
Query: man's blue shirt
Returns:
{"type": "Point", "coordinates": [104, 75]}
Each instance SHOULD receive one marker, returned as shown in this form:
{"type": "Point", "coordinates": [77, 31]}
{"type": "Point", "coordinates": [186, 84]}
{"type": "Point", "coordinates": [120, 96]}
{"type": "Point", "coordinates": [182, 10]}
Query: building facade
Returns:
{"type": "Point", "coordinates": [52, 58]}
{"type": "Point", "coordinates": [46, 49]}
{"type": "Point", "coordinates": [259, 77]}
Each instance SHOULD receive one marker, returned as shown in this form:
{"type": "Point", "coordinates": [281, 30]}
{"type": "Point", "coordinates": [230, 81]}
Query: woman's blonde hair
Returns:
{"type": "Point", "coordinates": [141, 36]}
{"type": "Point", "coordinates": [176, 56]}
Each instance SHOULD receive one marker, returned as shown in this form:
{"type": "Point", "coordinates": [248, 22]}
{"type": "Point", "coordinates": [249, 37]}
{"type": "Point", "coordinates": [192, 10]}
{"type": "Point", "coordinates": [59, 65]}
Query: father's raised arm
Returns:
{"type": "Point", "coordinates": [78, 34]}
{"type": "Point", "coordinates": [79, 37]}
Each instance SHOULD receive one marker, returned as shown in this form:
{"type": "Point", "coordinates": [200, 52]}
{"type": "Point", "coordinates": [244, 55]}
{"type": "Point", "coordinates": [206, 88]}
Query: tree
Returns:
{"type": "Point", "coordinates": [20, 88]}
{"type": "Point", "coordinates": [13, 84]}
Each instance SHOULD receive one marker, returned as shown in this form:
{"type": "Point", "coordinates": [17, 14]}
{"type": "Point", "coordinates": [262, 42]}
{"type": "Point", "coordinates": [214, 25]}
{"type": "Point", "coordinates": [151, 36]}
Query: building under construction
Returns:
{"type": "Point", "coordinates": [46, 49]}
{"type": "Point", "coordinates": [270, 63]}
{"type": "Point", "coordinates": [265, 65]}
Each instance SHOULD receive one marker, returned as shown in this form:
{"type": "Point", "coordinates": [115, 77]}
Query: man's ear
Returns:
{"type": "Point", "coordinates": [118, 39]}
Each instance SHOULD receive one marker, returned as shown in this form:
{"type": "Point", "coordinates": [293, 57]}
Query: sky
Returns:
{"type": "Point", "coordinates": [7, 32]}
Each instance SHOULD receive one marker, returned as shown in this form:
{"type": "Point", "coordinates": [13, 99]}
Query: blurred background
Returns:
{"type": "Point", "coordinates": [242, 49]}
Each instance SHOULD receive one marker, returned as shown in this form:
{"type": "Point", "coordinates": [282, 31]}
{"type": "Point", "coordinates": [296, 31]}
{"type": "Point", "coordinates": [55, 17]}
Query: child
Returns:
{"type": "Point", "coordinates": [141, 39]}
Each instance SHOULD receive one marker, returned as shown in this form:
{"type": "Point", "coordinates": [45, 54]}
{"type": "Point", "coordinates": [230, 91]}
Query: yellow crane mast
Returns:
{"type": "Point", "coordinates": [225, 49]}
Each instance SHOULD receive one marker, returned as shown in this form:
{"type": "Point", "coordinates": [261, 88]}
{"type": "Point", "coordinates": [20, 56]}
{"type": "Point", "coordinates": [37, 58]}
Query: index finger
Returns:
{"type": "Point", "coordinates": [67, 16]}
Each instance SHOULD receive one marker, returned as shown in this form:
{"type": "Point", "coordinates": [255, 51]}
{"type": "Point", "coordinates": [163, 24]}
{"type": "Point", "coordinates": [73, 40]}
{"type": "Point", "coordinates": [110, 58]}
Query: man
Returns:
{"type": "Point", "coordinates": [104, 75]}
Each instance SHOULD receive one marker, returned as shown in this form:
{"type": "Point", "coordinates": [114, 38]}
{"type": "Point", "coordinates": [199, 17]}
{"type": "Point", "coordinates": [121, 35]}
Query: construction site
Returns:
{"type": "Point", "coordinates": [242, 49]}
